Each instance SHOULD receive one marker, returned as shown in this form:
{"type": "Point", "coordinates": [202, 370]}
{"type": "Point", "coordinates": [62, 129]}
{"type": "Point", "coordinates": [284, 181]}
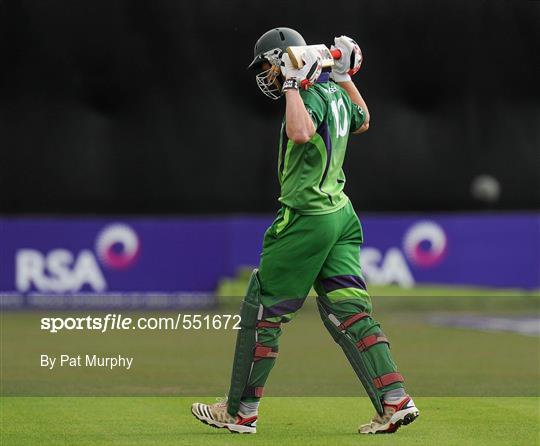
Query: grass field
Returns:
{"type": "Point", "coordinates": [287, 421]}
{"type": "Point", "coordinates": [472, 386]}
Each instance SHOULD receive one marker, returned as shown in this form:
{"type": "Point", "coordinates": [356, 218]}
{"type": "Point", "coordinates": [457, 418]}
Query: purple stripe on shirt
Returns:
{"type": "Point", "coordinates": [325, 135]}
{"type": "Point", "coordinates": [335, 283]}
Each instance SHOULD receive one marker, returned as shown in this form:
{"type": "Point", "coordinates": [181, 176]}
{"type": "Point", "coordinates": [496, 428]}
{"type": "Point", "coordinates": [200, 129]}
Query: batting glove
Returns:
{"type": "Point", "coordinates": [308, 74]}
{"type": "Point", "coordinates": [349, 62]}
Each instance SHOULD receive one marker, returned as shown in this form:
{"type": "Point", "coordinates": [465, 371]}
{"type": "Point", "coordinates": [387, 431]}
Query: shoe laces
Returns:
{"type": "Point", "coordinates": [385, 417]}
{"type": "Point", "coordinates": [221, 401]}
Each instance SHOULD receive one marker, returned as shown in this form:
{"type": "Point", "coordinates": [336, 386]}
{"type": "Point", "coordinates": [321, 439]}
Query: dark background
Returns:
{"type": "Point", "coordinates": [146, 106]}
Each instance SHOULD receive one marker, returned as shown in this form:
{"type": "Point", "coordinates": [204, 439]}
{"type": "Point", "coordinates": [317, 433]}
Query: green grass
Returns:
{"type": "Point", "coordinates": [286, 421]}
{"type": "Point", "coordinates": [472, 387]}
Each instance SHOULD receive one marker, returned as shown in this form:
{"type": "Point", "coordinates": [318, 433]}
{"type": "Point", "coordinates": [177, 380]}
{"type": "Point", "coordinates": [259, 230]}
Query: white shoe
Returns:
{"type": "Point", "coordinates": [395, 415]}
{"type": "Point", "coordinates": [216, 415]}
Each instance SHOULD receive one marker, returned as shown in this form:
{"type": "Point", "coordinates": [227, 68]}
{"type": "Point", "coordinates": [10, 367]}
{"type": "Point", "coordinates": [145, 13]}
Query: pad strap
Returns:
{"type": "Point", "coordinates": [371, 340]}
{"type": "Point", "coordinates": [352, 320]}
{"type": "Point", "coordinates": [386, 380]}
{"type": "Point", "coordinates": [262, 352]}
{"type": "Point", "coordinates": [266, 324]}
{"type": "Point", "coordinates": [253, 392]}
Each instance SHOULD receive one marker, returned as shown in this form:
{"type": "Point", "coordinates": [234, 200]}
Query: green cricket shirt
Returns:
{"type": "Point", "coordinates": [311, 175]}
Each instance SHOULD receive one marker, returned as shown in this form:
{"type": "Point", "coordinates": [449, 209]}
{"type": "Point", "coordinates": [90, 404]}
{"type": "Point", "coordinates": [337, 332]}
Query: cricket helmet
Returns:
{"type": "Point", "coordinates": [269, 48]}
{"type": "Point", "coordinates": [275, 39]}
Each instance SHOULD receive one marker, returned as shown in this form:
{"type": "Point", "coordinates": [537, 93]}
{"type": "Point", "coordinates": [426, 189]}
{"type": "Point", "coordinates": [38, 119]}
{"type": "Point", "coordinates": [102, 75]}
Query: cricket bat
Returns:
{"type": "Point", "coordinates": [296, 52]}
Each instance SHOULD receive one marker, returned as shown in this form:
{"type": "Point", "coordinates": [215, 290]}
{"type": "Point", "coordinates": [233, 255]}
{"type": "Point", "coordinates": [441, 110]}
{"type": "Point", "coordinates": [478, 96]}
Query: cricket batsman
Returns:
{"type": "Point", "coordinates": [314, 240]}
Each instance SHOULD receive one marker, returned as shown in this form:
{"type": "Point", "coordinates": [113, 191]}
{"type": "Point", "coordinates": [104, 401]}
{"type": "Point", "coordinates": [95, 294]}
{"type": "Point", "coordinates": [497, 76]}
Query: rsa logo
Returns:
{"type": "Point", "coordinates": [425, 245]}
{"type": "Point", "coordinates": [61, 270]}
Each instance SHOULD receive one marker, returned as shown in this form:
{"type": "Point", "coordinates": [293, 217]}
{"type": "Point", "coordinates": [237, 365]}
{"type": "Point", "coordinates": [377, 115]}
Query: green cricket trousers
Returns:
{"type": "Point", "coordinates": [320, 251]}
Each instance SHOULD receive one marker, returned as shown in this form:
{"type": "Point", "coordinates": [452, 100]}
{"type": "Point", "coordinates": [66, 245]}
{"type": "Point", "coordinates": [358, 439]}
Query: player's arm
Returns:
{"type": "Point", "coordinates": [299, 125]}
{"type": "Point", "coordinates": [357, 99]}
{"type": "Point", "coordinates": [345, 67]}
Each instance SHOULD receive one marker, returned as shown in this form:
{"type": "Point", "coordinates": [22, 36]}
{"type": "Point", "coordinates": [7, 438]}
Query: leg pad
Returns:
{"type": "Point", "coordinates": [374, 368]}
{"type": "Point", "coordinates": [246, 341]}
{"type": "Point", "coordinates": [359, 364]}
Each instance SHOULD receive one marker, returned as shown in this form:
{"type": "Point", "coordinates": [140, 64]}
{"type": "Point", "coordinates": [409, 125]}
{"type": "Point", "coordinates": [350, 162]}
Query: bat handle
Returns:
{"type": "Point", "coordinates": [336, 54]}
